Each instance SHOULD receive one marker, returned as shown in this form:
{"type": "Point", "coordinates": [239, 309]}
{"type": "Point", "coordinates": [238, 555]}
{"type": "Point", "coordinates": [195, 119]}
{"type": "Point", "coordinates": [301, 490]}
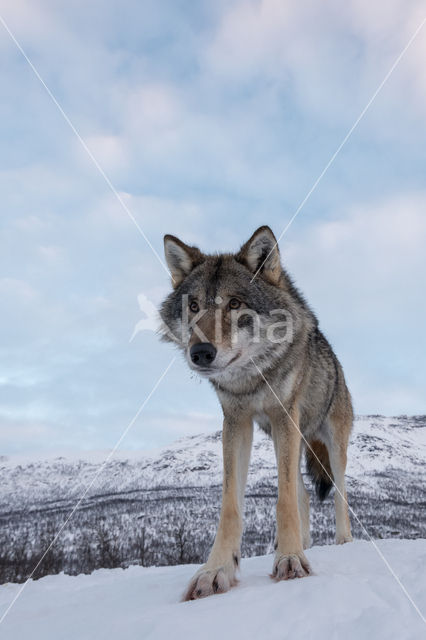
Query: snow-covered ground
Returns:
{"type": "Point", "coordinates": [352, 596]}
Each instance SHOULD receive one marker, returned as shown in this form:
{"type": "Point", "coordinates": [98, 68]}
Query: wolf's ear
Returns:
{"type": "Point", "coordinates": [261, 255]}
{"type": "Point", "coordinates": [181, 259]}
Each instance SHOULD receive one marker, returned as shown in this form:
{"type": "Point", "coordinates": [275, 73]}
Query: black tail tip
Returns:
{"type": "Point", "coordinates": [323, 488]}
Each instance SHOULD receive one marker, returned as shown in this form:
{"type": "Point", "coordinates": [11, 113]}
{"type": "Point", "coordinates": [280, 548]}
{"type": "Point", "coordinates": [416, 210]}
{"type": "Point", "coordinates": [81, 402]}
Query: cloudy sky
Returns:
{"type": "Point", "coordinates": [209, 119]}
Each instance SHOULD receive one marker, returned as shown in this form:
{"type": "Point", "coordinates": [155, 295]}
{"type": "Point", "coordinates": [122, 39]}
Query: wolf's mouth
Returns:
{"type": "Point", "coordinates": [213, 370]}
{"type": "Point", "coordinates": [233, 359]}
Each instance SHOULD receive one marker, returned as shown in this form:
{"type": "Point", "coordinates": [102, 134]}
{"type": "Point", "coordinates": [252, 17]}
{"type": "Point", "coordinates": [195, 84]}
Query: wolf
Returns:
{"type": "Point", "coordinates": [242, 324]}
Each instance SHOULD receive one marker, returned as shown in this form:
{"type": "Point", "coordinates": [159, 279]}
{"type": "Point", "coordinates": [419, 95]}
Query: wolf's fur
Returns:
{"type": "Point", "coordinates": [289, 387]}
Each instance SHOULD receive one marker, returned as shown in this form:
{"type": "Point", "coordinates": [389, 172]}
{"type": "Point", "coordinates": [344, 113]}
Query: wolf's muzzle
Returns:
{"type": "Point", "coordinates": [203, 354]}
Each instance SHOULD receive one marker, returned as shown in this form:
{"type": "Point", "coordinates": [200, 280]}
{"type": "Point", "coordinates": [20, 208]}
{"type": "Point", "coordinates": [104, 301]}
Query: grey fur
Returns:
{"type": "Point", "coordinates": [302, 371]}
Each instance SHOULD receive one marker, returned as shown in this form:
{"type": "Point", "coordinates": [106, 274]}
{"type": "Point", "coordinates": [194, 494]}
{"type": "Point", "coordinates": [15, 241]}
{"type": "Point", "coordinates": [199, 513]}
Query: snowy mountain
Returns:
{"type": "Point", "coordinates": [379, 446]}
{"type": "Point", "coordinates": [352, 595]}
{"type": "Point", "coordinates": [162, 508]}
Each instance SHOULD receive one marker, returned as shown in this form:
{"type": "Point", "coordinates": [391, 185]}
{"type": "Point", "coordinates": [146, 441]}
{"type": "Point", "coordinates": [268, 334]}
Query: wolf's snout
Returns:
{"type": "Point", "coordinates": [203, 354]}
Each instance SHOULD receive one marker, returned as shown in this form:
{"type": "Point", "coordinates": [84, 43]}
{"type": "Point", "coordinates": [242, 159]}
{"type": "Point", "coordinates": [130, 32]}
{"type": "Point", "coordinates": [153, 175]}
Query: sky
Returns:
{"type": "Point", "coordinates": [208, 120]}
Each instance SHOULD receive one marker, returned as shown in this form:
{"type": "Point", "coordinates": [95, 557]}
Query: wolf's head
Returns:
{"type": "Point", "coordinates": [227, 310]}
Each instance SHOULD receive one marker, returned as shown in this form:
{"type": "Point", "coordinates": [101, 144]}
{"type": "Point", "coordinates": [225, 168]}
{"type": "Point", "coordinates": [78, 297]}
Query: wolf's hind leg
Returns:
{"type": "Point", "coordinates": [218, 574]}
{"type": "Point", "coordinates": [337, 448]}
{"type": "Point", "coordinates": [303, 500]}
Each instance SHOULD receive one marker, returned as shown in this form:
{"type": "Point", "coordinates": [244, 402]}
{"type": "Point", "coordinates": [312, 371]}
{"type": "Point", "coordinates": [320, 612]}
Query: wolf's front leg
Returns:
{"type": "Point", "coordinates": [290, 561]}
{"type": "Point", "coordinates": [218, 574]}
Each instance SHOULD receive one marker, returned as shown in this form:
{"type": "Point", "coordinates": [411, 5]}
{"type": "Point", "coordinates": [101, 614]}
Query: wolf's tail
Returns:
{"type": "Point", "coordinates": [318, 467]}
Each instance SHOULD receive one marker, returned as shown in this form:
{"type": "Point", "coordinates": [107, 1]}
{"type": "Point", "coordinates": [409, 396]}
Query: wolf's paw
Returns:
{"type": "Point", "coordinates": [207, 581]}
{"type": "Point", "coordinates": [294, 565]}
{"type": "Point", "coordinates": [342, 538]}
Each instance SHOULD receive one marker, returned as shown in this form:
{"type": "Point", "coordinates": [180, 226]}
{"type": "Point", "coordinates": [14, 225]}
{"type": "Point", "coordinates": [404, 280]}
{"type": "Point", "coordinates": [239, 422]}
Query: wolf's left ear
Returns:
{"type": "Point", "coordinates": [181, 258]}
{"type": "Point", "coordinates": [261, 255]}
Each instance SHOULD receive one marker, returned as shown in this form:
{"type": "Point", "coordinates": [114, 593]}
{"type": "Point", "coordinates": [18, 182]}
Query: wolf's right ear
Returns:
{"type": "Point", "coordinates": [181, 259]}
{"type": "Point", "coordinates": [261, 255]}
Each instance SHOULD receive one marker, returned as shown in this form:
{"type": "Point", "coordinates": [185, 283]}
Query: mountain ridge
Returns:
{"type": "Point", "coordinates": [378, 445]}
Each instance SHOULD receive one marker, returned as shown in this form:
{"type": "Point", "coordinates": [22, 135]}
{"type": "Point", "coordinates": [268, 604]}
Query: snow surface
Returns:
{"type": "Point", "coordinates": [352, 596]}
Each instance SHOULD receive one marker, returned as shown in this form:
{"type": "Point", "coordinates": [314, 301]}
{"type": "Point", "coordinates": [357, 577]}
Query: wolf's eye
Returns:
{"type": "Point", "coordinates": [234, 303]}
{"type": "Point", "coordinates": [194, 307]}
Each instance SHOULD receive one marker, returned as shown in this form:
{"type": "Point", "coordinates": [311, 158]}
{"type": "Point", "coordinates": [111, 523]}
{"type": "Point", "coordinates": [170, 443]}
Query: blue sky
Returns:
{"type": "Point", "coordinates": [210, 119]}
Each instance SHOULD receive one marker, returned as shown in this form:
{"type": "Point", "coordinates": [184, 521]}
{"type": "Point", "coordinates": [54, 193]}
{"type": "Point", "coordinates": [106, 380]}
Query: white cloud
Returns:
{"type": "Point", "coordinates": [333, 56]}
{"type": "Point", "coordinates": [19, 289]}
{"type": "Point", "coordinates": [51, 254]}
{"type": "Point", "coordinates": [150, 107]}
{"type": "Point", "coordinates": [27, 19]}
{"type": "Point", "coordinates": [110, 151]}
{"type": "Point", "coordinates": [364, 257]}
{"type": "Point", "coordinates": [254, 37]}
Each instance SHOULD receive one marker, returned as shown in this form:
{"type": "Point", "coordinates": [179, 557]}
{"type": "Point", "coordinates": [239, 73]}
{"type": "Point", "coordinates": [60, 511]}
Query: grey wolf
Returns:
{"type": "Point", "coordinates": [276, 370]}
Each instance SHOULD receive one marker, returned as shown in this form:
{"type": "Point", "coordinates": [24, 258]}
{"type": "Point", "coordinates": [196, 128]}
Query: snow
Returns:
{"type": "Point", "coordinates": [352, 596]}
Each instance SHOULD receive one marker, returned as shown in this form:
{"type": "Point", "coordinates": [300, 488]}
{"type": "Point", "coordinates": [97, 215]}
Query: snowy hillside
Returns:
{"type": "Point", "coordinates": [378, 446]}
{"type": "Point", "coordinates": [352, 596]}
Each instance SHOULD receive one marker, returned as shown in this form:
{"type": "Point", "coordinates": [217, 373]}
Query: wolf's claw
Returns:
{"type": "Point", "coordinates": [207, 582]}
{"type": "Point", "coordinates": [290, 566]}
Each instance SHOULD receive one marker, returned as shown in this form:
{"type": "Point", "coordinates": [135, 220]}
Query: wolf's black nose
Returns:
{"type": "Point", "coordinates": [203, 354]}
